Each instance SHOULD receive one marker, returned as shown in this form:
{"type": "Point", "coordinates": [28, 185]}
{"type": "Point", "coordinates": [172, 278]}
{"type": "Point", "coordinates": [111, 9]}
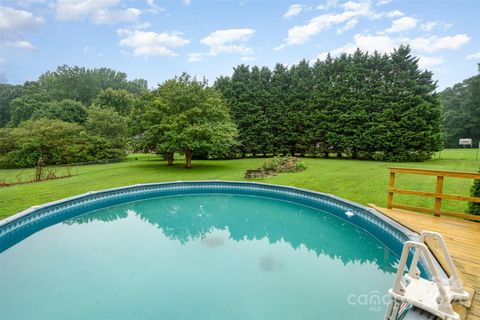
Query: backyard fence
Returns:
{"type": "Point", "coordinates": [29, 175]}
{"type": "Point", "coordinates": [438, 195]}
{"type": "Point", "coordinates": [458, 154]}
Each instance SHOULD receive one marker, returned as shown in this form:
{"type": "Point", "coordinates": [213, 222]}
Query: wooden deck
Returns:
{"type": "Point", "coordinates": [463, 241]}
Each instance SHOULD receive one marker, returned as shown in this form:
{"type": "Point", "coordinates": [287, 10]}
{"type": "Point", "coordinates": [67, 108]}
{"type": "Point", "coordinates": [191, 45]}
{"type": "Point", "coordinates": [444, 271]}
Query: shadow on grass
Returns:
{"type": "Point", "coordinates": [198, 166]}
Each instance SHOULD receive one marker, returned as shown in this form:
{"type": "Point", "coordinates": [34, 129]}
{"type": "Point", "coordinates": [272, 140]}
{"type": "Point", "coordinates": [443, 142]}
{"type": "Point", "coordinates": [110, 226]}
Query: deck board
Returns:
{"type": "Point", "coordinates": [463, 241]}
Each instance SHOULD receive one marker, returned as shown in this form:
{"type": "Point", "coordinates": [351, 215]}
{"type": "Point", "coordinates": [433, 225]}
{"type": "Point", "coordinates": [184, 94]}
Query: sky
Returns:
{"type": "Point", "coordinates": [156, 40]}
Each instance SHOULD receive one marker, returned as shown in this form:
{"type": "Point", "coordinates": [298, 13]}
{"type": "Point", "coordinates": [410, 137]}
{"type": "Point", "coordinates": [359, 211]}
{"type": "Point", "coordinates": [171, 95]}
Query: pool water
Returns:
{"type": "Point", "coordinates": [208, 256]}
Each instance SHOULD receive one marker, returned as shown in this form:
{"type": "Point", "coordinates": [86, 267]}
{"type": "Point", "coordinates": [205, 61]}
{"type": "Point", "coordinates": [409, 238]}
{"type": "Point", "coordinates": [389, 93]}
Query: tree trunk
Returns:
{"type": "Point", "coordinates": [355, 154]}
{"type": "Point", "coordinates": [169, 156]}
{"type": "Point", "coordinates": [39, 169]}
{"type": "Point", "coordinates": [188, 158]}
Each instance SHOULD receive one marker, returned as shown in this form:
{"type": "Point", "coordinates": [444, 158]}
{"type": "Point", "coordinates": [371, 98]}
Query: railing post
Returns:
{"type": "Point", "coordinates": [391, 185]}
{"type": "Point", "coordinates": [438, 201]}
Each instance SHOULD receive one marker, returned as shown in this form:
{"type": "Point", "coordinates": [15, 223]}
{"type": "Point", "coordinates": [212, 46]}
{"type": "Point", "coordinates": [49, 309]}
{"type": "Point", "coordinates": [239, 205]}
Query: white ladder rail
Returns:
{"type": "Point", "coordinates": [432, 296]}
{"type": "Point", "coordinates": [454, 281]}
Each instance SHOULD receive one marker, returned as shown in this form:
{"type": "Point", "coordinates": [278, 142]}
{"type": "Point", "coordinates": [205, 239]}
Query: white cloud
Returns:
{"type": "Point", "coordinates": [28, 3]}
{"type": "Point", "coordinates": [379, 43]}
{"type": "Point", "coordinates": [474, 56]}
{"type": "Point", "coordinates": [293, 11]}
{"type": "Point", "coordinates": [402, 24]}
{"type": "Point", "coordinates": [12, 20]}
{"type": "Point", "coordinates": [248, 58]}
{"type": "Point", "coordinates": [97, 11]}
{"type": "Point", "coordinates": [385, 44]}
{"type": "Point", "coordinates": [352, 12]}
{"type": "Point", "coordinates": [356, 6]}
{"type": "Point", "coordinates": [328, 4]}
{"type": "Point", "coordinates": [370, 43]}
{"type": "Point", "coordinates": [142, 26]}
{"type": "Point", "coordinates": [229, 41]}
{"type": "Point", "coordinates": [21, 44]}
{"type": "Point", "coordinates": [427, 62]}
{"type": "Point", "coordinates": [154, 8]}
{"type": "Point", "coordinates": [383, 2]}
{"type": "Point", "coordinates": [186, 2]}
{"type": "Point", "coordinates": [435, 43]}
{"type": "Point", "coordinates": [149, 43]}
{"type": "Point", "coordinates": [447, 25]}
{"type": "Point", "coordinates": [115, 16]}
{"type": "Point", "coordinates": [303, 33]}
{"type": "Point", "coordinates": [14, 23]}
{"type": "Point", "coordinates": [428, 26]}
{"type": "Point", "coordinates": [349, 25]}
{"type": "Point", "coordinates": [195, 57]}
{"type": "Point", "coordinates": [394, 14]}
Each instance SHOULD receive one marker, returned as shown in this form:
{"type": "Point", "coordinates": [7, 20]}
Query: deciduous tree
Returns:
{"type": "Point", "coordinates": [187, 116]}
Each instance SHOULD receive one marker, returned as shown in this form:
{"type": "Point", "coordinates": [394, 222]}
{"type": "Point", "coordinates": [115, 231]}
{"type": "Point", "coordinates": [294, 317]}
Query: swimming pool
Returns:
{"type": "Point", "coordinates": [198, 250]}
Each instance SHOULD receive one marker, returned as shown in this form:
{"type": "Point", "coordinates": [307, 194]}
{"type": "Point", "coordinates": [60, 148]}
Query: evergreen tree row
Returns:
{"type": "Point", "coordinates": [366, 106]}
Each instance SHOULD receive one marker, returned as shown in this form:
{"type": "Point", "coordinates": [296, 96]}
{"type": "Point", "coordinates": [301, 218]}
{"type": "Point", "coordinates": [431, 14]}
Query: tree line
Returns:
{"type": "Point", "coordinates": [70, 115]}
{"type": "Point", "coordinates": [461, 107]}
{"type": "Point", "coordinates": [76, 114]}
{"type": "Point", "coordinates": [361, 105]}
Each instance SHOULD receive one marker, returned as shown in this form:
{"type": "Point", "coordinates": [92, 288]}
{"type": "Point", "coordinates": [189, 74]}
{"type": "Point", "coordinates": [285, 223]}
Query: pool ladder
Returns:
{"type": "Point", "coordinates": [434, 296]}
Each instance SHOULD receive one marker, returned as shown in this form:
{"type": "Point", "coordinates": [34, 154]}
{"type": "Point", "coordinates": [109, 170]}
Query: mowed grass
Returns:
{"type": "Point", "coordinates": [458, 154]}
{"type": "Point", "coordinates": [360, 181]}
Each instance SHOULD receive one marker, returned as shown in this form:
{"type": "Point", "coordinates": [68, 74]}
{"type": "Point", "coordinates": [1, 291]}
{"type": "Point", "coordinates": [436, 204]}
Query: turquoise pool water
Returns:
{"type": "Point", "coordinates": [198, 256]}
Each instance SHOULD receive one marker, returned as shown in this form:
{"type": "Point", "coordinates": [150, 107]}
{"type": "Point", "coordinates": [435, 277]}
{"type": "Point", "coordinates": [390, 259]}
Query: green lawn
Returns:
{"type": "Point", "coordinates": [359, 181]}
{"type": "Point", "coordinates": [458, 154]}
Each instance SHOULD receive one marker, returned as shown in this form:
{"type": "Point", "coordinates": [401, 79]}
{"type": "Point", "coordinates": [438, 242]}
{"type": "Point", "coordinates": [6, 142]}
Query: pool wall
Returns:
{"type": "Point", "coordinates": [21, 225]}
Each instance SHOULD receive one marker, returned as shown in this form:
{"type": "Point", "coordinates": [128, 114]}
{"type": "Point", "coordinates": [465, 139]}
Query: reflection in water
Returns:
{"type": "Point", "coordinates": [269, 264]}
{"type": "Point", "coordinates": [196, 257]}
{"type": "Point", "coordinates": [106, 215]}
{"type": "Point", "coordinates": [213, 239]}
{"type": "Point", "coordinates": [254, 218]}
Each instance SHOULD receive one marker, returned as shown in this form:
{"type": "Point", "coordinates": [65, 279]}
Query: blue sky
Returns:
{"type": "Point", "coordinates": [157, 40]}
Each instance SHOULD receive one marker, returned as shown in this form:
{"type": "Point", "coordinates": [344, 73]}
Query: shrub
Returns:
{"type": "Point", "coordinates": [474, 207]}
{"type": "Point", "coordinates": [284, 164]}
{"type": "Point", "coordinates": [55, 141]}
{"type": "Point", "coordinates": [272, 165]}
{"type": "Point", "coordinates": [401, 156]}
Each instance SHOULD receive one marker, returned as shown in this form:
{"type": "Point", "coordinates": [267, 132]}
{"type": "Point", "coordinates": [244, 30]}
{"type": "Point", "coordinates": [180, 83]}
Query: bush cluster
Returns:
{"type": "Point", "coordinates": [283, 164]}
{"type": "Point", "coordinates": [53, 141]}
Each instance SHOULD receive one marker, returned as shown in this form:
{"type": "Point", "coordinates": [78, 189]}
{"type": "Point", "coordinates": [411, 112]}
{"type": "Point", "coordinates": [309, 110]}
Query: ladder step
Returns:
{"type": "Point", "coordinates": [435, 295]}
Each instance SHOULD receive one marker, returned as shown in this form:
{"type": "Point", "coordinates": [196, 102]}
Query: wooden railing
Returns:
{"type": "Point", "coordinates": [438, 195]}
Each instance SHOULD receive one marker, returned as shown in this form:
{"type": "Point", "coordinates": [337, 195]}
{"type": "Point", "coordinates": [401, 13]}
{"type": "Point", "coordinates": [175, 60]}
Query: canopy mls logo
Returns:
{"type": "Point", "coordinates": [374, 300]}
